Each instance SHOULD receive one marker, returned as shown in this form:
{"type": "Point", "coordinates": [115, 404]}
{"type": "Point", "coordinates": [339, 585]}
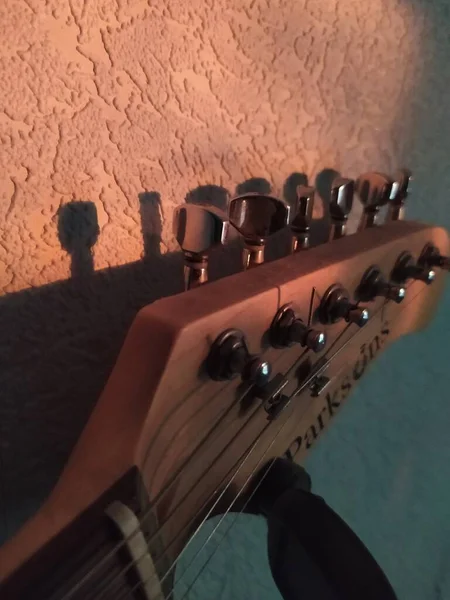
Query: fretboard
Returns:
{"type": "Point", "coordinates": [95, 557]}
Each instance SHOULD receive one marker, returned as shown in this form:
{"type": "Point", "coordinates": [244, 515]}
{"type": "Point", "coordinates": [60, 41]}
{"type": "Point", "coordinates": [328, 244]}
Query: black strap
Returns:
{"type": "Point", "coordinates": [314, 554]}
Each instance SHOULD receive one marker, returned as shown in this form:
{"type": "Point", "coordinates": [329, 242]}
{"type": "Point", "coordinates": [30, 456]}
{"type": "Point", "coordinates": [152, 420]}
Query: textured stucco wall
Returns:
{"type": "Point", "coordinates": [103, 100]}
{"type": "Point", "coordinates": [130, 106]}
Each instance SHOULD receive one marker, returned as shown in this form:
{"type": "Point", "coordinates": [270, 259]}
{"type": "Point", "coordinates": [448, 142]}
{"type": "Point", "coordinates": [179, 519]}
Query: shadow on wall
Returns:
{"type": "Point", "coordinates": [150, 209]}
{"type": "Point", "coordinates": [78, 232]}
{"type": "Point", "coordinates": [60, 341]}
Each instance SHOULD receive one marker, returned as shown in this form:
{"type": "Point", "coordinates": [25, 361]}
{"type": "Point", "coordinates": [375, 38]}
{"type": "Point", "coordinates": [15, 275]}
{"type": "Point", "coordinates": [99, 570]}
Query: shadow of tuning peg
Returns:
{"type": "Point", "coordinates": [197, 229]}
{"type": "Point", "coordinates": [374, 190]}
{"type": "Point", "coordinates": [324, 182]}
{"type": "Point", "coordinates": [150, 209]}
{"type": "Point", "coordinates": [256, 217]}
{"type": "Point", "coordinates": [258, 185]}
{"type": "Point", "coordinates": [399, 193]}
{"type": "Point", "coordinates": [78, 231]}
{"type": "Point", "coordinates": [290, 187]}
{"type": "Point", "coordinates": [211, 195]}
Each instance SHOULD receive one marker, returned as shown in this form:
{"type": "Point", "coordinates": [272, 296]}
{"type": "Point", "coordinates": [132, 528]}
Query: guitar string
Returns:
{"type": "Point", "coordinates": [174, 564]}
{"type": "Point", "coordinates": [219, 422]}
{"type": "Point", "coordinates": [302, 387]}
{"type": "Point", "coordinates": [166, 421]}
{"type": "Point", "coordinates": [83, 580]}
{"type": "Point", "coordinates": [223, 516]}
{"type": "Point", "coordinates": [227, 530]}
{"type": "Point", "coordinates": [225, 480]}
{"type": "Point", "coordinates": [343, 332]}
{"type": "Point", "coordinates": [123, 542]}
{"type": "Point", "coordinates": [207, 502]}
{"type": "Point", "coordinates": [129, 566]}
{"type": "Point", "coordinates": [211, 535]}
{"type": "Point", "coordinates": [315, 372]}
{"type": "Point", "coordinates": [260, 481]}
{"type": "Point", "coordinates": [296, 392]}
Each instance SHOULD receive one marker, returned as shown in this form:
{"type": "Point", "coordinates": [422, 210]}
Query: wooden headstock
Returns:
{"type": "Point", "coordinates": [198, 442]}
{"type": "Point", "coordinates": [224, 419]}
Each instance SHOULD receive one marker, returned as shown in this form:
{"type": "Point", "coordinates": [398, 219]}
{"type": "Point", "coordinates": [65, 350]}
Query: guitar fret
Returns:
{"type": "Point", "coordinates": [86, 560]}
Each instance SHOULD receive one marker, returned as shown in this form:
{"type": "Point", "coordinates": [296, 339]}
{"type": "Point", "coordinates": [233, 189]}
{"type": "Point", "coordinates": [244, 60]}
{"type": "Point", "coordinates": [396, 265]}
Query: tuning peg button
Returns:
{"type": "Point", "coordinates": [406, 268]}
{"type": "Point", "coordinates": [287, 329]}
{"type": "Point", "coordinates": [336, 305]}
{"type": "Point", "coordinates": [256, 217]}
{"type": "Point", "coordinates": [341, 202]}
{"type": "Point", "coordinates": [197, 229]}
{"type": "Point", "coordinates": [301, 215]}
{"type": "Point", "coordinates": [374, 191]}
{"type": "Point", "coordinates": [399, 193]}
{"type": "Point", "coordinates": [314, 339]}
{"type": "Point", "coordinates": [358, 315]}
{"type": "Point", "coordinates": [229, 357]}
{"type": "Point", "coordinates": [374, 285]}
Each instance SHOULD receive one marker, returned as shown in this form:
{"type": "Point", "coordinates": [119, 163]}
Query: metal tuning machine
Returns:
{"type": "Point", "coordinates": [256, 217]}
{"type": "Point", "coordinates": [406, 268]}
{"type": "Point", "coordinates": [373, 285]}
{"type": "Point", "coordinates": [288, 329]}
{"type": "Point", "coordinates": [341, 202]}
{"type": "Point", "coordinates": [301, 216]}
{"type": "Point", "coordinates": [374, 191]}
{"type": "Point", "coordinates": [399, 193]}
{"type": "Point", "coordinates": [229, 357]}
{"type": "Point", "coordinates": [336, 305]}
{"type": "Point", "coordinates": [431, 257]}
{"type": "Point", "coordinates": [197, 229]}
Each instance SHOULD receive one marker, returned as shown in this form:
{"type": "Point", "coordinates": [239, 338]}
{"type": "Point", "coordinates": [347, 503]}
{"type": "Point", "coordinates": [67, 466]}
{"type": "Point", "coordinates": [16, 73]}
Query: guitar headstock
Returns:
{"type": "Point", "coordinates": [214, 383]}
{"type": "Point", "coordinates": [225, 377]}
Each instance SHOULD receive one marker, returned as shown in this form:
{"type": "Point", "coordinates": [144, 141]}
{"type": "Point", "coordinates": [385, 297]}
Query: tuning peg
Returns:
{"type": "Point", "coordinates": [374, 285]}
{"type": "Point", "coordinates": [229, 357]}
{"type": "Point", "coordinates": [288, 329]}
{"type": "Point", "coordinates": [256, 217]}
{"type": "Point", "coordinates": [336, 305]}
{"type": "Point", "coordinates": [431, 257]}
{"type": "Point", "coordinates": [197, 228]}
{"type": "Point", "coordinates": [399, 193]}
{"type": "Point", "coordinates": [341, 202]}
{"type": "Point", "coordinates": [301, 215]}
{"type": "Point", "coordinates": [374, 191]}
{"type": "Point", "coordinates": [406, 268]}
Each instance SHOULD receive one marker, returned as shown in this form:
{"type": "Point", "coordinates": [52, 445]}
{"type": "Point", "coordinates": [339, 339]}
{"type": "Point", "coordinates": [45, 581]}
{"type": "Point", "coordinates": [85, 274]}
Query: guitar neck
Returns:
{"type": "Point", "coordinates": [93, 557]}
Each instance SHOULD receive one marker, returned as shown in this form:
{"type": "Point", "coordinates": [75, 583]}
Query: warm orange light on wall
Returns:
{"type": "Point", "coordinates": [103, 106]}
